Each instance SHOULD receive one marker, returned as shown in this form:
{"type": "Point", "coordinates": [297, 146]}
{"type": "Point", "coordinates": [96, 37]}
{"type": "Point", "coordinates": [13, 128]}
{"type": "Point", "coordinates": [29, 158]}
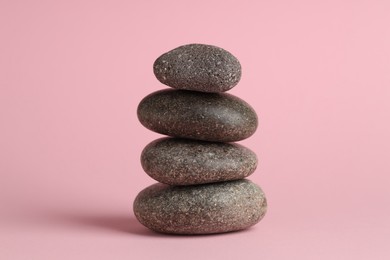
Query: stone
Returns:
{"type": "Point", "coordinates": [218, 117]}
{"type": "Point", "coordinates": [200, 209]}
{"type": "Point", "coordinates": [198, 67]}
{"type": "Point", "coordinates": [177, 161]}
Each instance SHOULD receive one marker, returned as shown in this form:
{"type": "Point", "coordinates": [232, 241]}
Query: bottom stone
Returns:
{"type": "Point", "coordinates": [201, 209]}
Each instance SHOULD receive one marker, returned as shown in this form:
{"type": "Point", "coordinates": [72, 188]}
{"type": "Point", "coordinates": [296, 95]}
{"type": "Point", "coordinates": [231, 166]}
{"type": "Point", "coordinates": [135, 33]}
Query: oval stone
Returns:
{"type": "Point", "coordinates": [198, 67]}
{"type": "Point", "coordinates": [177, 161]}
{"type": "Point", "coordinates": [200, 209]}
{"type": "Point", "coordinates": [218, 117]}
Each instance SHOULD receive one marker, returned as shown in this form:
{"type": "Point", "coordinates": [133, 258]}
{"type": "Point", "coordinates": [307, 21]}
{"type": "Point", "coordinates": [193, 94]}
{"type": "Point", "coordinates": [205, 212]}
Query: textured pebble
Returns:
{"type": "Point", "coordinates": [198, 67]}
{"type": "Point", "coordinates": [201, 209]}
{"type": "Point", "coordinates": [216, 117]}
{"type": "Point", "coordinates": [186, 162]}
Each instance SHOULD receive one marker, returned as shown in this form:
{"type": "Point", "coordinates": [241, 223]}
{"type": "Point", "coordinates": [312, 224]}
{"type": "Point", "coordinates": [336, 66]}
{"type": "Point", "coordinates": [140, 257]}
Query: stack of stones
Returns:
{"type": "Point", "coordinates": [202, 189]}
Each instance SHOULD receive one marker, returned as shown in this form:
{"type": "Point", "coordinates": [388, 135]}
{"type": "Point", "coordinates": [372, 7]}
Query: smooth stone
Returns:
{"type": "Point", "coordinates": [176, 161]}
{"type": "Point", "coordinates": [198, 67]}
{"type": "Point", "coordinates": [200, 209]}
{"type": "Point", "coordinates": [218, 117]}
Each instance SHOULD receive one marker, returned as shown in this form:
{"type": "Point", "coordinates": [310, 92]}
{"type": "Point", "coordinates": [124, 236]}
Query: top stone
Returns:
{"type": "Point", "coordinates": [198, 67]}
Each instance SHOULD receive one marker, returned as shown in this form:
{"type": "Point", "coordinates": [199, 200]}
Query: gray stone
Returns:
{"type": "Point", "coordinates": [186, 162]}
{"type": "Point", "coordinates": [218, 117]}
{"type": "Point", "coordinates": [198, 67]}
{"type": "Point", "coordinates": [201, 209]}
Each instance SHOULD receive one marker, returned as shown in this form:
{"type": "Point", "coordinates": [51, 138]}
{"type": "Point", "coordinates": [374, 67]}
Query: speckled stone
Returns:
{"type": "Point", "coordinates": [186, 162]}
{"type": "Point", "coordinates": [218, 117]}
{"type": "Point", "coordinates": [198, 67]}
{"type": "Point", "coordinates": [201, 209]}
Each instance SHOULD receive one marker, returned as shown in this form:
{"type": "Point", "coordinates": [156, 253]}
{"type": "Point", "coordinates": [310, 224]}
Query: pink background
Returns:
{"type": "Point", "coordinates": [73, 72]}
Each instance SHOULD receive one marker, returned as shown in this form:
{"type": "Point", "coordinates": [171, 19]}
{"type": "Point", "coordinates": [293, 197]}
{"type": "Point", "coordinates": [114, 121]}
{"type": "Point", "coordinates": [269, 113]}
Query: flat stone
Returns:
{"type": "Point", "coordinates": [186, 162]}
{"type": "Point", "coordinates": [218, 117]}
{"type": "Point", "coordinates": [198, 67]}
{"type": "Point", "coordinates": [200, 209]}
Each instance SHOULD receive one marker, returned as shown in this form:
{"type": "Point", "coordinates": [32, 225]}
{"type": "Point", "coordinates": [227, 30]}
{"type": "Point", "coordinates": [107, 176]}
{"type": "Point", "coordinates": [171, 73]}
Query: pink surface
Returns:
{"type": "Point", "coordinates": [73, 72]}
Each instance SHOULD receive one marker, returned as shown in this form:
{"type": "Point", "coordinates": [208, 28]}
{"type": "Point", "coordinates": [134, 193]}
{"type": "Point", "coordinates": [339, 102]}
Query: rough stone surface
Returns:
{"type": "Point", "coordinates": [186, 162]}
{"type": "Point", "coordinates": [218, 117]}
{"type": "Point", "coordinates": [198, 67]}
{"type": "Point", "coordinates": [201, 209]}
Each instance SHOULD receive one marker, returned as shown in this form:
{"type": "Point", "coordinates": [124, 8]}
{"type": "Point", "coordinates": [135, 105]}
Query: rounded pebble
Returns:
{"type": "Point", "coordinates": [218, 117]}
{"type": "Point", "coordinates": [198, 67]}
{"type": "Point", "coordinates": [200, 209]}
{"type": "Point", "coordinates": [187, 162]}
